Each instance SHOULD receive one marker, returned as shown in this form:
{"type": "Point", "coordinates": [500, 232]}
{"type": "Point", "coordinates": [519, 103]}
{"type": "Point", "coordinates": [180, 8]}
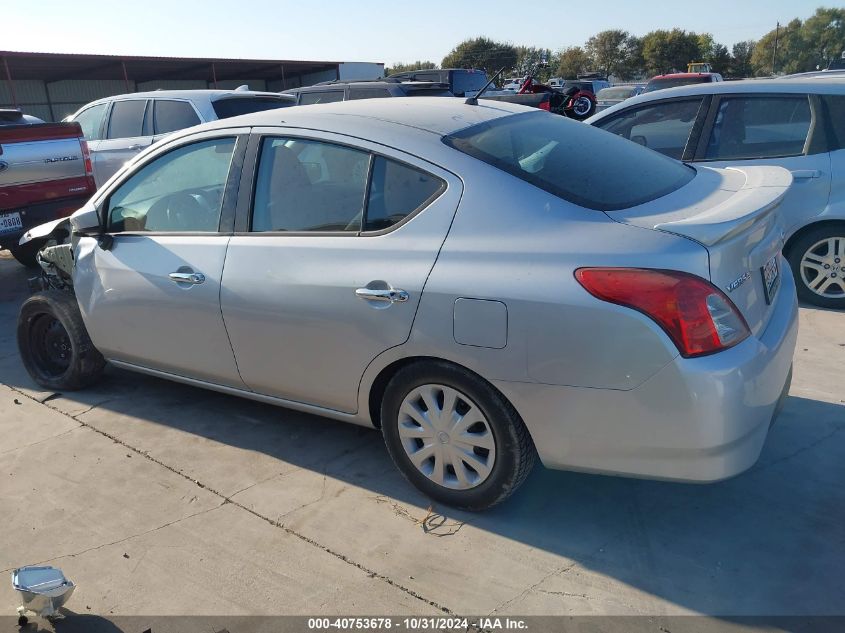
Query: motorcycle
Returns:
{"type": "Point", "coordinates": [573, 102]}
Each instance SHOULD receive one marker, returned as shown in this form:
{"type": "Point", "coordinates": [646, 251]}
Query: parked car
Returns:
{"type": "Point", "coordinates": [14, 116]}
{"type": "Point", "coordinates": [332, 91]}
{"type": "Point", "coordinates": [673, 80]}
{"type": "Point", "coordinates": [119, 127]}
{"type": "Point", "coordinates": [607, 97]}
{"type": "Point", "coordinates": [453, 274]}
{"type": "Point", "coordinates": [45, 173]}
{"type": "Point", "coordinates": [462, 82]}
{"type": "Point", "coordinates": [795, 124]}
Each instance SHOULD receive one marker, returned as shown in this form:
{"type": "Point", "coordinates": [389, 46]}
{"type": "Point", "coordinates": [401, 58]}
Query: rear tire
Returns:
{"type": "Point", "coordinates": [26, 254]}
{"type": "Point", "coordinates": [472, 450]}
{"type": "Point", "coordinates": [817, 259]}
{"type": "Point", "coordinates": [583, 108]}
{"type": "Point", "coordinates": [54, 344]}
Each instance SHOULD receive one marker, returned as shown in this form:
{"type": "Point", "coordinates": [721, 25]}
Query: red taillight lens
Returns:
{"type": "Point", "coordinates": [546, 105]}
{"type": "Point", "coordinates": [697, 316]}
{"type": "Point", "coordinates": [86, 157]}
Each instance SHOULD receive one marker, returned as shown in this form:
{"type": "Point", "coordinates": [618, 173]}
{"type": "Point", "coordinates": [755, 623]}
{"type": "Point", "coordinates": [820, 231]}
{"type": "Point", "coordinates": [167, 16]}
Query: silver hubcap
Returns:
{"type": "Point", "coordinates": [446, 437]}
{"type": "Point", "coordinates": [823, 268]}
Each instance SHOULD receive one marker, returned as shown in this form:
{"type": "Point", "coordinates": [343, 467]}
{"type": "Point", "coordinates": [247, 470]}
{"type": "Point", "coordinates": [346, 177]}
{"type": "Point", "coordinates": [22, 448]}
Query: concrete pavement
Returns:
{"type": "Point", "coordinates": [157, 498]}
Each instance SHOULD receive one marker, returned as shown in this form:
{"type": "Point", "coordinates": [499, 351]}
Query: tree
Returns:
{"type": "Point", "coordinates": [404, 68]}
{"type": "Point", "coordinates": [741, 59]}
{"type": "Point", "coordinates": [791, 56]}
{"type": "Point", "coordinates": [665, 51]}
{"type": "Point", "coordinates": [824, 36]}
{"type": "Point", "coordinates": [609, 50]}
{"type": "Point", "coordinates": [482, 53]}
{"type": "Point", "coordinates": [633, 66]}
{"type": "Point", "coordinates": [574, 61]}
{"type": "Point", "coordinates": [529, 58]}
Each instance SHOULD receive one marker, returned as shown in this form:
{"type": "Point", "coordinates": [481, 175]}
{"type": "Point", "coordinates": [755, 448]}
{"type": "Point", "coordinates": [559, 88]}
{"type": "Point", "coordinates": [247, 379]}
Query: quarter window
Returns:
{"type": "Point", "coordinates": [91, 122]}
{"type": "Point", "coordinates": [179, 191]}
{"type": "Point", "coordinates": [396, 191]}
{"type": "Point", "coordinates": [664, 127]}
{"type": "Point", "coordinates": [127, 118]}
{"type": "Point", "coordinates": [309, 186]}
{"type": "Point", "coordinates": [759, 127]}
{"type": "Point", "coordinates": [173, 115]}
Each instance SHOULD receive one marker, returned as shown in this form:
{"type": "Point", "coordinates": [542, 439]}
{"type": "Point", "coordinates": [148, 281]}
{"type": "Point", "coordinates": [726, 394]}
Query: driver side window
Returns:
{"type": "Point", "coordinates": [181, 191]}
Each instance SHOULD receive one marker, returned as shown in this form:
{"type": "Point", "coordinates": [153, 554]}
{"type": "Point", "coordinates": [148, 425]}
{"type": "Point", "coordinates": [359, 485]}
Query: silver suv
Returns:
{"type": "Point", "coordinates": [119, 127]}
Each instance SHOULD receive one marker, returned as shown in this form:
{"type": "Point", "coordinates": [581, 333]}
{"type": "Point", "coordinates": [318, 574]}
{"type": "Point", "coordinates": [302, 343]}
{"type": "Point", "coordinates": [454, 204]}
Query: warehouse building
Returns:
{"type": "Point", "coordinates": [54, 85]}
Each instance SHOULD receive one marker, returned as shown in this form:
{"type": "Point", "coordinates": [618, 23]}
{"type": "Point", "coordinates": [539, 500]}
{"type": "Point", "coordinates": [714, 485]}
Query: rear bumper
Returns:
{"type": "Point", "coordinates": [35, 214]}
{"type": "Point", "coordinates": [699, 419]}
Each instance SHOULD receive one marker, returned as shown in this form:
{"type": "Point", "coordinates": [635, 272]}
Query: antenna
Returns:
{"type": "Point", "coordinates": [474, 100]}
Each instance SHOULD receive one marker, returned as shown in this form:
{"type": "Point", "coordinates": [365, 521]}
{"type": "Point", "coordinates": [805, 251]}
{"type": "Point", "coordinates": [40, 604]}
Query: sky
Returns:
{"type": "Point", "coordinates": [362, 30]}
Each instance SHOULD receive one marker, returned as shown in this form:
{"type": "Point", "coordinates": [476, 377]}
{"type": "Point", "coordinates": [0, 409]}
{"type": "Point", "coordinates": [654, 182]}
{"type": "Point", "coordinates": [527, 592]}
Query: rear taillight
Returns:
{"type": "Point", "coordinates": [86, 158]}
{"type": "Point", "coordinates": [697, 316]}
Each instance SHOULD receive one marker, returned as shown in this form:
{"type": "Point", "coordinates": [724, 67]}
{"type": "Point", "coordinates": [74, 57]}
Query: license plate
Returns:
{"type": "Point", "coordinates": [771, 277]}
{"type": "Point", "coordinates": [10, 222]}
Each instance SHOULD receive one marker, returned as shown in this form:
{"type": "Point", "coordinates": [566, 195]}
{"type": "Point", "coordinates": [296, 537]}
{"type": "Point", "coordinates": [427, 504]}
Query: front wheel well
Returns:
{"type": "Point", "coordinates": [790, 243]}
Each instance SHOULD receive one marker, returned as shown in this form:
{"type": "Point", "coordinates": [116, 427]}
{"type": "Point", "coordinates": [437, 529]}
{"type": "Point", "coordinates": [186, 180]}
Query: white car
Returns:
{"type": "Point", "coordinates": [117, 128]}
{"type": "Point", "coordinates": [798, 124]}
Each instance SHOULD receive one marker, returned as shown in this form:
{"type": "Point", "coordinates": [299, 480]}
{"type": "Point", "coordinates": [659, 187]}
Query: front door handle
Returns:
{"type": "Point", "coordinates": [802, 174]}
{"type": "Point", "coordinates": [387, 295]}
{"type": "Point", "coordinates": [187, 278]}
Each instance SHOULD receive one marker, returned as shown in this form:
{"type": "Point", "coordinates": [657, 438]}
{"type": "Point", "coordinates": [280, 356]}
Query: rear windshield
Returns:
{"type": "Point", "coordinates": [236, 106]}
{"type": "Point", "coordinates": [673, 82]}
{"type": "Point", "coordinates": [467, 81]}
{"type": "Point", "coordinates": [615, 93]}
{"type": "Point", "coordinates": [548, 151]}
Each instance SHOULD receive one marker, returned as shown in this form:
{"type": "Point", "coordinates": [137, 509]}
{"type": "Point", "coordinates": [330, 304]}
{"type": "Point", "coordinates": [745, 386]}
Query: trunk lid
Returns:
{"type": "Point", "coordinates": [733, 214]}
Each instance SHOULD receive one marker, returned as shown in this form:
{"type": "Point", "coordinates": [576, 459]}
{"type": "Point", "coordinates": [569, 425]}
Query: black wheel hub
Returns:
{"type": "Point", "coordinates": [50, 345]}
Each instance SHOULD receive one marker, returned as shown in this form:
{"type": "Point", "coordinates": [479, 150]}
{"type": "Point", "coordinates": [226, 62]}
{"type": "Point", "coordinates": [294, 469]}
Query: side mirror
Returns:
{"type": "Point", "coordinates": [86, 221]}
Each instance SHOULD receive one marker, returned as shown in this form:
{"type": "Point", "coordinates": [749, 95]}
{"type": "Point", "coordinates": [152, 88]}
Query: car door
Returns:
{"type": "Point", "coordinates": [771, 129]}
{"type": "Point", "coordinates": [666, 126]}
{"type": "Point", "coordinates": [149, 291]}
{"type": "Point", "coordinates": [91, 121]}
{"type": "Point", "coordinates": [334, 242]}
{"type": "Point", "coordinates": [127, 133]}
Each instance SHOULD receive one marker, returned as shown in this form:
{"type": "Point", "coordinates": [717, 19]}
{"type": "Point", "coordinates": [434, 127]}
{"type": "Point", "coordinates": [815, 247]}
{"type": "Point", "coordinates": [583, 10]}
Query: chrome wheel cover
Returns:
{"type": "Point", "coordinates": [823, 268]}
{"type": "Point", "coordinates": [446, 437]}
{"type": "Point", "coordinates": [582, 106]}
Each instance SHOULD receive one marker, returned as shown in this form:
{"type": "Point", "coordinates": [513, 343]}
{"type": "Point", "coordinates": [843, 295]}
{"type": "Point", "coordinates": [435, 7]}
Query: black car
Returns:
{"type": "Point", "coordinates": [329, 91]}
{"type": "Point", "coordinates": [459, 80]}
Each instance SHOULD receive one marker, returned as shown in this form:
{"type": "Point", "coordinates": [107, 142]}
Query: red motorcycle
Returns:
{"type": "Point", "coordinates": [573, 102]}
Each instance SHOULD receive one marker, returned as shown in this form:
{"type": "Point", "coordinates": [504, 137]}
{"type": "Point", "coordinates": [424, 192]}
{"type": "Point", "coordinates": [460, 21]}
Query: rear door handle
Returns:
{"type": "Point", "coordinates": [802, 174]}
{"type": "Point", "coordinates": [135, 147]}
{"type": "Point", "coordinates": [187, 278]}
{"type": "Point", "coordinates": [387, 295]}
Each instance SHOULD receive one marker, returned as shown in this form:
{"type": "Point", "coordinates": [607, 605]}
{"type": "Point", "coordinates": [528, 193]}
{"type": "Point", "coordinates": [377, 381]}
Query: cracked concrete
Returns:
{"type": "Point", "coordinates": [157, 498]}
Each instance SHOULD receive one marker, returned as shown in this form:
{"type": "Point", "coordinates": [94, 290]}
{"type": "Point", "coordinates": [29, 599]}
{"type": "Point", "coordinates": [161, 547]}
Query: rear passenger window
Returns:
{"type": "Point", "coordinates": [396, 191]}
{"type": "Point", "coordinates": [127, 118]}
{"type": "Point", "coordinates": [309, 186]}
{"type": "Point", "coordinates": [368, 93]}
{"type": "Point", "coordinates": [174, 115]}
{"type": "Point", "coordinates": [759, 127]}
{"type": "Point", "coordinates": [327, 96]}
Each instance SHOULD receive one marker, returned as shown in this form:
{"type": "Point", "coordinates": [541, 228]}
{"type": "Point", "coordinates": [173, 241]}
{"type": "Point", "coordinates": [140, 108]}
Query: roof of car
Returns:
{"type": "Point", "coordinates": [377, 119]}
{"type": "Point", "coordinates": [211, 95]}
{"type": "Point", "coordinates": [683, 76]}
{"type": "Point", "coordinates": [367, 83]}
{"type": "Point", "coordinates": [814, 85]}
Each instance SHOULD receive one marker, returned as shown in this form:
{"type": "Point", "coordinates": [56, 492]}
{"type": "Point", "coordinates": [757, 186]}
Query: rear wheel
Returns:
{"type": "Point", "coordinates": [455, 437]}
{"type": "Point", "coordinates": [54, 344]}
{"type": "Point", "coordinates": [26, 254]}
{"type": "Point", "coordinates": [583, 108]}
{"type": "Point", "coordinates": [817, 259]}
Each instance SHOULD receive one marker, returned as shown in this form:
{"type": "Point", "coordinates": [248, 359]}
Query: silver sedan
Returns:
{"type": "Point", "coordinates": [460, 276]}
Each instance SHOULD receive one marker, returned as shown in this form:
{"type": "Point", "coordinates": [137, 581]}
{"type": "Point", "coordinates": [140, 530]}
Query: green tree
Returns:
{"type": "Point", "coordinates": [609, 50]}
{"type": "Point", "coordinates": [404, 68]}
{"type": "Point", "coordinates": [741, 59]}
{"type": "Point", "coordinates": [482, 53]}
{"type": "Point", "coordinates": [574, 61]}
{"type": "Point", "coordinates": [529, 58]}
{"type": "Point", "coordinates": [824, 36]}
{"type": "Point", "coordinates": [791, 56]}
{"type": "Point", "coordinates": [633, 65]}
{"type": "Point", "coordinates": [667, 51]}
